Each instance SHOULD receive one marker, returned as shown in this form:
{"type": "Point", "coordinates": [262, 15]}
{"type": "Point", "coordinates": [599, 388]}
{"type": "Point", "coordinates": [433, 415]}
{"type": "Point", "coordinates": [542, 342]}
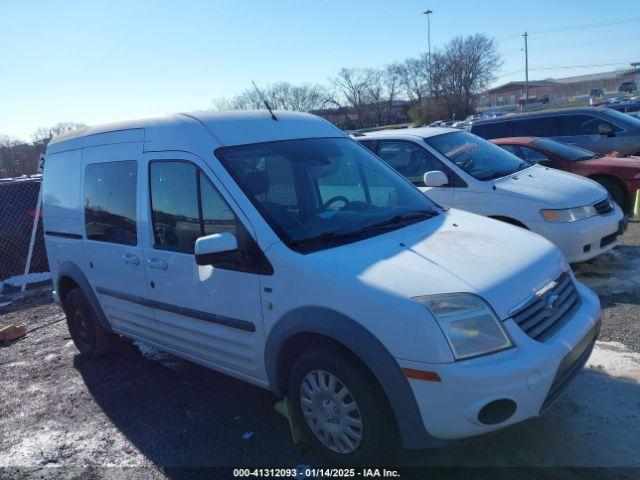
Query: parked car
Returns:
{"type": "Point", "coordinates": [596, 96]}
{"type": "Point", "coordinates": [287, 255]}
{"type": "Point", "coordinates": [620, 176]}
{"type": "Point", "coordinates": [598, 129]}
{"type": "Point", "coordinates": [18, 199]}
{"type": "Point", "coordinates": [626, 106]}
{"type": "Point", "coordinates": [458, 169]}
{"type": "Point", "coordinates": [628, 87]}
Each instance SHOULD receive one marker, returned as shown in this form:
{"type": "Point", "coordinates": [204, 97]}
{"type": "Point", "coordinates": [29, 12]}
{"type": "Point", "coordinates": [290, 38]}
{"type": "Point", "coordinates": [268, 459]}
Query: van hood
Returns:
{"type": "Point", "coordinates": [551, 187]}
{"type": "Point", "coordinates": [454, 252]}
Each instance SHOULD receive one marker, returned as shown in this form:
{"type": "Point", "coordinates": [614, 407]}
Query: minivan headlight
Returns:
{"type": "Point", "coordinates": [468, 323]}
{"type": "Point", "coordinates": [568, 215]}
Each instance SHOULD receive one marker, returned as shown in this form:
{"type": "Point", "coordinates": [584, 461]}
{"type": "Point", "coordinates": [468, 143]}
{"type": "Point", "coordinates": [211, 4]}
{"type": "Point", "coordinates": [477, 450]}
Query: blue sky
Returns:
{"type": "Point", "coordinates": [96, 61]}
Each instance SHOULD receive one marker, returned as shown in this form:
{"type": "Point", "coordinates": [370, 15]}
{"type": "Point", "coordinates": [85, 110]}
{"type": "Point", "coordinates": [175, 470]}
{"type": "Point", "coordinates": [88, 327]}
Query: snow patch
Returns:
{"type": "Point", "coordinates": [156, 355]}
{"type": "Point", "coordinates": [616, 360]}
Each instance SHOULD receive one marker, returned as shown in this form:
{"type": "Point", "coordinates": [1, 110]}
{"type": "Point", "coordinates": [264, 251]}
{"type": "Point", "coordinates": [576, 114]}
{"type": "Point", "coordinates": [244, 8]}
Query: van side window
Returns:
{"type": "Point", "coordinates": [514, 149]}
{"type": "Point", "coordinates": [110, 202]}
{"type": "Point", "coordinates": [534, 156]}
{"type": "Point", "coordinates": [535, 127]}
{"type": "Point", "coordinates": [585, 125]}
{"type": "Point", "coordinates": [185, 206]}
{"type": "Point", "coordinates": [409, 159]}
{"type": "Point", "coordinates": [216, 215]}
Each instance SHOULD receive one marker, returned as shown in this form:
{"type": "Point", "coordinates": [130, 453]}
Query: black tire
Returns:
{"type": "Point", "coordinates": [379, 441]}
{"type": "Point", "coordinates": [89, 337]}
{"type": "Point", "coordinates": [616, 192]}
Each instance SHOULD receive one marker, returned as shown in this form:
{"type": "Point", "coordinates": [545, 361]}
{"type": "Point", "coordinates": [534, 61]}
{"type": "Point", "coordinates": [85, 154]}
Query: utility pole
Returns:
{"type": "Point", "coordinates": [428, 14]}
{"type": "Point", "coordinates": [526, 71]}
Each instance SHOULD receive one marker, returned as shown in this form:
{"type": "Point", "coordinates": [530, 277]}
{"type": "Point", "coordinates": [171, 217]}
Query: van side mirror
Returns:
{"type": "Point", "coordinates": [216, 248]}
{"type": "Point", "coordinates": [605, 130]}
{"type": "Point", "coordinates": [435, 178]}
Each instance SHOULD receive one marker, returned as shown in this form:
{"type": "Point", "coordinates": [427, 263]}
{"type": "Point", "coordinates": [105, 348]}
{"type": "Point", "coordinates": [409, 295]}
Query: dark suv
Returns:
{"type": "Point", "coordinates": [18, 201]}
{"type": "Point", "coordinates": [598, 129]}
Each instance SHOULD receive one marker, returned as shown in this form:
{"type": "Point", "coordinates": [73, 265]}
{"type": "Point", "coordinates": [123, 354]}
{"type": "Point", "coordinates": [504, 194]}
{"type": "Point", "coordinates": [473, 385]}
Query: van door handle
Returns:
{"type": "Point", "coordinates": [131, 258]}
{"type": "Point", "coordinates": [157, 263]}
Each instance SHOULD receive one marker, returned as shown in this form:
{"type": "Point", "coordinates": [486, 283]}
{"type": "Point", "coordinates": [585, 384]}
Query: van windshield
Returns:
{"type": "Point", "coordinates": [479, 158]}
{"type": "Point", "coordinates": [323, 192]}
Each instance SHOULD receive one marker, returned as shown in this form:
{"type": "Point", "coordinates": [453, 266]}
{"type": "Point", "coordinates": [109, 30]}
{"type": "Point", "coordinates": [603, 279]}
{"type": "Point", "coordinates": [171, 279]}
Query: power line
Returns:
{"type": "Point", "coordinates": [585, 26]}
{"type": "Point", "coordinates": [571, 28]}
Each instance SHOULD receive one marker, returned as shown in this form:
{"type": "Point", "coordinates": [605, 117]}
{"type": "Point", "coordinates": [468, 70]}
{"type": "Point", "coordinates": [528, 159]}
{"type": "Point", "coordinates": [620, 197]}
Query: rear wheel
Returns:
{"type": "Point", "coordinates": [89, 337]}
{"type": "Point", "coordinates": [616, 192]}
{"type": "Point", "coordinates": [341, 408]}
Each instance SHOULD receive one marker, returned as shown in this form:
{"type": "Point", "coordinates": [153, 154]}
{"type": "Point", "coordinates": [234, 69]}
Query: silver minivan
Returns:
{"type": "Point", "coordinates": [599, 129]}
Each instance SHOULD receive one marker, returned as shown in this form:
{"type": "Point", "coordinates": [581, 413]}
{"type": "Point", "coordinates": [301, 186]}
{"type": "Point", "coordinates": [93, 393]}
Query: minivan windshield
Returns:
{"type": "Point", "coordinates": [479, 158]}
{"type": "Point", "coordinates": [321, 192]}
{"type": "Point", "coordinates": [564, 151]}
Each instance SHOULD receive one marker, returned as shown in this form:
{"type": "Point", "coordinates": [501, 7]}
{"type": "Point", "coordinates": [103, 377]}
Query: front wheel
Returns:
{"type": "Point", "coordinates": [616, 193]}
{"type": "Point", "coordinates": [341, 408]}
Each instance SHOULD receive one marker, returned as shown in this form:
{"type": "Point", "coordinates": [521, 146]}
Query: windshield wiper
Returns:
{"type": "Point", "coordinates": [355, 234]}
{"type": "Point", "coordinates": [495, 175]}
{"type": "Point", "coordinates": [326, 237]}
{"type": "Point", "coordinates": [402, 218]}
{"type": "Point", "coordinates": [524, 165]}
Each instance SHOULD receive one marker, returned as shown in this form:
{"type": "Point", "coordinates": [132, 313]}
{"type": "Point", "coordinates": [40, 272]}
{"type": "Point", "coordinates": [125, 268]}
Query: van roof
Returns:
{"type": "Point", "coordinates": [422, 132]}
{"type": "Point", "coordinates": [540, 113]}
{"type": "Point", "coordinates": [225, 128]}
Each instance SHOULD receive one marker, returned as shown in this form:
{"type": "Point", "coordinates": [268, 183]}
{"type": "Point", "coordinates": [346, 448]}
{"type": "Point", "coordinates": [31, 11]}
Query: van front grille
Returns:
{"type": "Point", "coordinates": [604, 207]}
{"type": "Point", "coordinates": [542, 316]}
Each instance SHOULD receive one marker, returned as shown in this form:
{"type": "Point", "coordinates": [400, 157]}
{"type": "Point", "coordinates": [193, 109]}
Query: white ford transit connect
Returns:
{"type": "Point", "coordinates": [284, 253]}
{"type": "Point", "coordinates": [458, 169]}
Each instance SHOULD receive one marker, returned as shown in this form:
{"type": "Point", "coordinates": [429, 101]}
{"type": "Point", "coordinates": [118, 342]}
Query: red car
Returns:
{"type": "Point", "coordinates": [619, 175]}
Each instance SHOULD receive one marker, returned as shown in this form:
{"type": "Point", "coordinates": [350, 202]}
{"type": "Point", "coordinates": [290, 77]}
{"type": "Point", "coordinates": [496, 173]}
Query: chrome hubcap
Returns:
{"type": "Point", "coordinates": [331, 411]}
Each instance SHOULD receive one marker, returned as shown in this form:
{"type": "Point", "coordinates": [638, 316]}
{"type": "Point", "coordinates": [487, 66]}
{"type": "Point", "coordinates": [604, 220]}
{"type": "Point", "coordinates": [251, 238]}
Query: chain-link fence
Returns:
{"type": "Point", "coordinates": [18, 212]}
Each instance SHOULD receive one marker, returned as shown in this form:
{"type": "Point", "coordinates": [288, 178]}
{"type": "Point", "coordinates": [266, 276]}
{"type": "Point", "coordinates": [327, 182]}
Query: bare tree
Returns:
{"type": "Point", "coordinates": [43, 134]}
{"type": "Point", "coordinates": [463, 68]}
{"type": "Point", "coordinates": [299, 98]}
{"type": "Point", "coordinates": [414, 77]}
{"type": "Point", "coordinates": [392, 78]}
{"type": "Point", "coordinates": [281, 96]}
{"type": "Point", "coordinates": [359, 90]}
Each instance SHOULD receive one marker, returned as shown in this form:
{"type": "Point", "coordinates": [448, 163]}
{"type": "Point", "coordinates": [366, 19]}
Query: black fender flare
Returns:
{"type": "Point", "coordinates": [361, 342]}
{"type": "Point", "coordinates": [71, 270]}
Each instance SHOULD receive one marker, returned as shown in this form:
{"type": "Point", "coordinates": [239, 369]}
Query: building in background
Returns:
{"type": "Point", "coordinates": [568, 90]}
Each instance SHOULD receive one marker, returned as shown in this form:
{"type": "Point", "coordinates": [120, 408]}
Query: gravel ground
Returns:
{"type": "Point", "coordinates": [139, 407]}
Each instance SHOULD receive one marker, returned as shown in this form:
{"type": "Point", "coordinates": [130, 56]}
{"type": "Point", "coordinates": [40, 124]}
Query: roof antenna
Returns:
{"type": "Point", "coordinates": [264, 100]}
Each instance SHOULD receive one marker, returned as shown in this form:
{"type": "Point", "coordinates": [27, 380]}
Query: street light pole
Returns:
{"type": "Point", "coordinates": [428, 14]}
{"type": "Point", "coordinates": [526, 71]}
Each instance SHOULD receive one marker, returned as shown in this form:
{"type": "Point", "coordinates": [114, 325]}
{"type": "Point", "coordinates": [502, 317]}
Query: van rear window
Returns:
{"type": "Point", "coordinates": [110, 202]}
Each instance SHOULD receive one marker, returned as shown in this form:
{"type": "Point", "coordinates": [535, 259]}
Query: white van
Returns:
{"type": "Point", "coordinates": [284, 253]}
{"type": "Point", "coordinates": [461, 170]}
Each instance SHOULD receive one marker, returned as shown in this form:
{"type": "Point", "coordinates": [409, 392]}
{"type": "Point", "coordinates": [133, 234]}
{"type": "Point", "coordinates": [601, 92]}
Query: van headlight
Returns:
{"type": "Point", "coordinates": [468, 323]}
{"type": "Point", "coordinates": [569, 214]}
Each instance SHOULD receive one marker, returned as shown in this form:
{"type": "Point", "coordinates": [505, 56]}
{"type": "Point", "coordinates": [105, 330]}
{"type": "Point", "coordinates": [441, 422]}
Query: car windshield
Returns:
{"type": "Point", "coordinates": [322, 192]}
{"type": "Point", "coordinates": [479, 158]}
{"type": "Point", "coordinates": [564, 151]}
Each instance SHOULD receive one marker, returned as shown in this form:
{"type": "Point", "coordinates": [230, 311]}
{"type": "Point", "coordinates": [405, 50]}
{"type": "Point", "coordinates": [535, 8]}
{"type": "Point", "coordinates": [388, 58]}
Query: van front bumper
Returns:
{"type": "Point", "coordinates": [475, 395]}
{"type": "Point", "coordinates": [585, 239]}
